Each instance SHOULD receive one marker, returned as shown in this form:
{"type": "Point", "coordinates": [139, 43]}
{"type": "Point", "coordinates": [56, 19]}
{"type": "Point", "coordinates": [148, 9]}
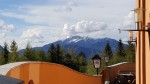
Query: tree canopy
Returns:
{"type": "Point", "coordinates": [72, 59]}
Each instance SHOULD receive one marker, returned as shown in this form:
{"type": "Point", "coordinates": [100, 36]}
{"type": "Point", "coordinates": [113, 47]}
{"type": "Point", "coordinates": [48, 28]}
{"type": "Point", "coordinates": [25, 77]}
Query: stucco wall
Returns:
{"type": "Point", "coordinates": [143, 45]}
{"type": "Point", "coordinates": [148, 43]}
{"type": "Point", "coordinates": [49, 73]}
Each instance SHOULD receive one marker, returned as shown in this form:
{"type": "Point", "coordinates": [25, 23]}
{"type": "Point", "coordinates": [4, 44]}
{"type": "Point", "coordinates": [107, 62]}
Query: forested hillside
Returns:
{"type": "Point", "coordinates": [58, 54]}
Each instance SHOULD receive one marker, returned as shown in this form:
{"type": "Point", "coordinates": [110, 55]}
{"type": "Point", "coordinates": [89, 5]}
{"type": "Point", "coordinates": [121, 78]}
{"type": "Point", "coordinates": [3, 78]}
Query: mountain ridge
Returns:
{"type": "Point", "coordinates": [88, 45]}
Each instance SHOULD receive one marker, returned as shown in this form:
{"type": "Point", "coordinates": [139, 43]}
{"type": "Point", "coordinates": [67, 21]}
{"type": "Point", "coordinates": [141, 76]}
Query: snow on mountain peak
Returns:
{"type": "Point", "coordinates": [77, 39]}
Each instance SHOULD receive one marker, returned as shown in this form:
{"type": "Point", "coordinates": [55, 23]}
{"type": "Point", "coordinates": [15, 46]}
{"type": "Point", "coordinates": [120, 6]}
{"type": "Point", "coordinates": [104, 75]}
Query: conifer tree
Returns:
{"type": "Point", "coordinates": [2, 61]}
{"type": "Point", "coordinates": [40, 55]}
{"type": "Point", "coordinates": [6, 52]}
{"type": "Point", "coordinates": [68, 60]}
{"type": "Point", "coordinates": [71, 60]}
{"type": "Point", "coordinates": [82, 62]}
{"type": "Point", "coordinates": [107, 51]}
{"type": "Point", "coordinates": [13, 52]}
{"type": "Point", "coordinates": [52, 53]}
{"type": "Point", "coordinates": [29, 53]}
{"type": "Point", "coordinates": [130, 52]}
{"type": "Point", "coordinates": [116, 59]}
{"type": "Point", "coordinates": [119, 54]}
{"type": "Point", "coordinates": [56, 54]}
{"type": "Point", "coordinates": [59, 54]}
{"type": "Point", "coordinates": [120, 50]}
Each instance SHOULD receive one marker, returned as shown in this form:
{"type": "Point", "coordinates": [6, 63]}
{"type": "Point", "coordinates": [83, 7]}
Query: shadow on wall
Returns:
{"type": "Point", "coordinates": [31, 82]}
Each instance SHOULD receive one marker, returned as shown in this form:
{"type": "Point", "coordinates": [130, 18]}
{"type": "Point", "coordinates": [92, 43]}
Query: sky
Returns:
{"type": "Point", "coordinates": [44, 21]}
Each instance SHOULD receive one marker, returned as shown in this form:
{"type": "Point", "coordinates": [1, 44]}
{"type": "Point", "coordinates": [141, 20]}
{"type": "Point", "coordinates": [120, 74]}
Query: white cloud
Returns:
{"type": "Point", "coordinates": [4, 28]}
{"type": "Point", "coordinates": [2, 35]}
{"type": "Point", "coordinates": [9, 27]}
{"type": "Point", "coordinates": [1, 22]}
{"type": "Point", "coordinates": [71, 3]}
{"type": "Point", "coordinates": [66, 8]}
{"type": "Point", "coordinates": [83, 27]}
{"type": "Point", "coordinates": [63, 8]}
{"type": "Point", "coordinates": [36, 14]}
{"type": "Point", "coordinates": [33, 35]}
{"type": "Point", "coordinates": [38, 36]}
{"type": "Point", "coordinates": [96, 10]}
{"type": "Point", "coordinates": [82, 10]}
{"type": "Point", "coordinates": [129, 21]}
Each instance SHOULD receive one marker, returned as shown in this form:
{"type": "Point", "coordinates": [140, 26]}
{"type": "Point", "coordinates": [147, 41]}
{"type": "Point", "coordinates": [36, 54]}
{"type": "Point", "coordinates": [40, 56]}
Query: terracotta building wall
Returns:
{"type": "Point", "coordinates": [49, 73]}
{"type": "Point", "coordinates": [143, 44]}
{"type": "Point", "coordinates": [138, 47]}
{"type": "Point", "coordinates": [147, 44]}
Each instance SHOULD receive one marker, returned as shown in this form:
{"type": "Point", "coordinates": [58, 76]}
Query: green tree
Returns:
{"type": "Point", "coordinates": [59, 54]}
{"type": "Point", "coordinates": [51, 53]}
{"type": "Point", "coordinates": [107, 50]}
{"type": "Point", "coordinates": [2, 61]}
{"type": "Point", "coordinates": [82, 62]}
{"type": "Point", "coordinates": [120, 54]}
{"type": "Point", "coordinates": [68, 61]}
{"type": "Point", "coordinates": [13, 52]}
{"type": "Point", "coordinates": [23, 58]}
{"type": "Point", "coordinates": [90, 68]}
{"type": "Point", "coordinates": [5, 53]}
{"type": "Point", "coordinates": [71, 60]}
{"type": "Point", "coordinates": [116, 59]}
{"type": "Point", "coordinates": [120, 50]}
{"type": "Point", "coordinates": [41, 56]}
{"type": "Point", "coordinates": [130, 52]}
{"type": "Point", "coordinates": [56, 54]}
{"type": "Point", "coordinates": [29, 53]}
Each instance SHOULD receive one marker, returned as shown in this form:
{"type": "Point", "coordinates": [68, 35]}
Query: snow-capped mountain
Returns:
{"type": "Point", "coordinates": [90, 46]}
